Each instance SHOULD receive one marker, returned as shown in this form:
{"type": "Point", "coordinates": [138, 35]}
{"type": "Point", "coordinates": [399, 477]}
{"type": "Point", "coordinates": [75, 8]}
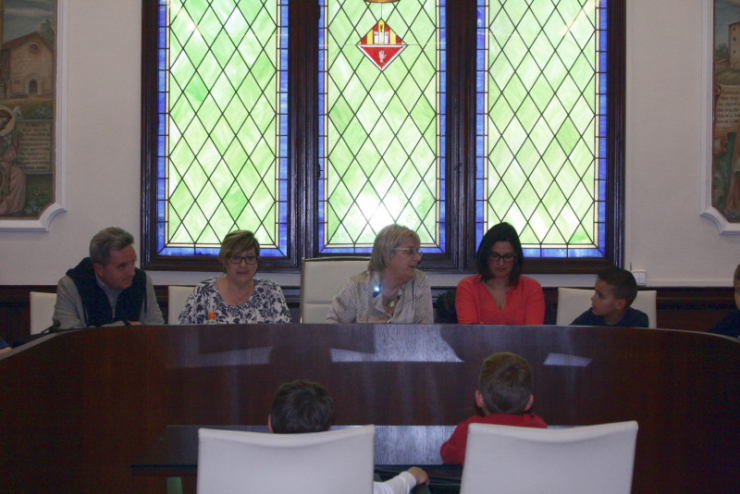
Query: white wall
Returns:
{"type": "Point", "coordinates": [665, 234]}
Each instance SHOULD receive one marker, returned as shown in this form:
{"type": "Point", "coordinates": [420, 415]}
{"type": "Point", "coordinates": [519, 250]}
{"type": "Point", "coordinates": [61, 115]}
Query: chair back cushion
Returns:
{"type": "Point", "coordinates": [321, 280]}
{"type": "Point", "coordinates": [338, 461]}
{"type": "Point", "coordinates": [42, 310]}
{"type": "Point", "coordinates": [574, 460]}
{"type": "Point", "coordinates": [177, 296]}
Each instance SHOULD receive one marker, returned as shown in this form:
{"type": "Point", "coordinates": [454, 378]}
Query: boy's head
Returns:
{"type": "Point", "coordinates": [301, 406]}
{"type": "Point", "coordinates": [504, 384]}
{"type": "Point", "coordinates": [614, 292]}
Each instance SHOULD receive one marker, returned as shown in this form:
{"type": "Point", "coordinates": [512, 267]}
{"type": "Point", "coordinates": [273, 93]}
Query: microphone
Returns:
{"type": "Point", "coordinates": [54, 328]}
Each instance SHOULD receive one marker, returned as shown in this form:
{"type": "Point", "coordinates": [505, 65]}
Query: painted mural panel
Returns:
{"type": "Point", "coordinates": [27, 107]}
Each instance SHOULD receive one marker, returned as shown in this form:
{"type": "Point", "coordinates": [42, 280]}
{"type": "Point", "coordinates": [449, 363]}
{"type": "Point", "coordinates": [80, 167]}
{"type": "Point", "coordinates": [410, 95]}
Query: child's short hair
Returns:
{"type": "Point", "coordinates": [505, 382]}
{"type": "Point", "coordinates": [622, 282]}
{"type": "Point", "coordinates": [736, 278]}
{"type": "Point", "coordinates": [301, 406]}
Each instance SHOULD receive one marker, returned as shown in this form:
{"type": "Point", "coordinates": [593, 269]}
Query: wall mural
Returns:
{"type": "Point", "coordinates": [28, 113]}
{"type": "Point", "coordinates": [724, 206]}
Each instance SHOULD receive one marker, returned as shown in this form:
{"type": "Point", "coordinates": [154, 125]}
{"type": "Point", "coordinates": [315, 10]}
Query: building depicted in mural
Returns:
{"type": "Point", "coordinates": [27, 67]}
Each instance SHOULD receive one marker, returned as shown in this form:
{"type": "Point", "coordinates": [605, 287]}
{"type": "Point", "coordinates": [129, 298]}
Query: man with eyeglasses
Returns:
{"type": "Point", "coordinates": [107, 289]}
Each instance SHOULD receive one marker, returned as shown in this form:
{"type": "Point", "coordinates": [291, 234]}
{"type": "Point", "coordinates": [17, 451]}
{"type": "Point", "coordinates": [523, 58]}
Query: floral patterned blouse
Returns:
{"type": "Point", "coordinates": [266, 305]}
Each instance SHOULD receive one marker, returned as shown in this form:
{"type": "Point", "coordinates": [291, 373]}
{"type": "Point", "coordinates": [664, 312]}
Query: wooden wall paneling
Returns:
{"type": "Point", "coordinates": [42, 420]}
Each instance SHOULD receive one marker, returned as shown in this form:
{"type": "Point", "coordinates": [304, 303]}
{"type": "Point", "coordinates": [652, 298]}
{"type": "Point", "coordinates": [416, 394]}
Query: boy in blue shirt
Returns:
{"type": "Point", "coordinates": [614, 292]}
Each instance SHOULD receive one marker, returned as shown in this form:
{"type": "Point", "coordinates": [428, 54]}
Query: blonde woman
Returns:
{"type": "Point", "coordinates": [392, 290]}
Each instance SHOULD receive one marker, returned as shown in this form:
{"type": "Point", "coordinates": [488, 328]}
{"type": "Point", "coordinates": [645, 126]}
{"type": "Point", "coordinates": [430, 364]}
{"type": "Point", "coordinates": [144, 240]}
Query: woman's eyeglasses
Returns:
{"type": "Point", "coordinates": [410, 251]}
{"type": "Point", "coordinates": [496, 257]}
{"type": "Point", "coordinates": [236, 260]}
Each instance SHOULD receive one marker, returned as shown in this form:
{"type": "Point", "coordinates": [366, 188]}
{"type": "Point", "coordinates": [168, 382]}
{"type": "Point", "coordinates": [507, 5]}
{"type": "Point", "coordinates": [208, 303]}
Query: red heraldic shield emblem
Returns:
{"type": "Point", "coordinates": [381, 45]}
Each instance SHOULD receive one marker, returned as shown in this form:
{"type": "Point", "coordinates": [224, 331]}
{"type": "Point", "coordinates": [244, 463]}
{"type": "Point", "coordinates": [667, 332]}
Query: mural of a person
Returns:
{"type": "Point", "coordinates": [732, 201]}
{"type": "Point", "coordinates": [12, 177]}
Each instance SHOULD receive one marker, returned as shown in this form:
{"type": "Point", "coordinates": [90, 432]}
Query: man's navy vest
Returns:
{"type": "Point", "coordinates": [97, 306]}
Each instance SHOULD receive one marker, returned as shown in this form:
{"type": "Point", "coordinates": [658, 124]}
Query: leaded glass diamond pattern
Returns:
{"type": "Point", "coordinates": [223, 110]}
{"type": "Point", "coordinates": [539, 118]}
{"type": "Point", "coordinates": [380, 130]}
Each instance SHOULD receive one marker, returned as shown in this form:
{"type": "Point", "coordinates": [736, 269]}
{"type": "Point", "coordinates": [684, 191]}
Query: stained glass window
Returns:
{"type": "Point", "coordinates": [223, 124]}
{"type": "Point", "coordinates": [382, 122]}
{"type": "Point", "coordinates": [445, 117]}
{"type": "Point", "coordinates": [541, 121]}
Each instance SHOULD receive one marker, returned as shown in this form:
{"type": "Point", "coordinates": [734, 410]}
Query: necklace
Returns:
{"type": "Point", "coordinates": [392, 300]}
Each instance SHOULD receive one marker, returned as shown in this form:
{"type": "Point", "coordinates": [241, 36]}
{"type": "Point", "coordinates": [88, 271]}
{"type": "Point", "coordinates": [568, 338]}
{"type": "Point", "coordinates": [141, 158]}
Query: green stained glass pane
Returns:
{"type": "Point", "coordinates": [182, 70]}
{"type": "Point", "coordinates": [382, 149]}
{"type": "Point", "coordinates": [221, 220]}
{"type": "Point", "coordinates": [222, 119]}
{"type": "Point", "coordinates": [209, 27]}
{"type": "Point", "coordinates": [195, 8]}
{"type": "Point", "coordinates": [235, 200]}
{"type": "Point", "coordinates": [181, 199]}
{"type": "Point", "coordinates": [501, 114]}
{"type": "Point", "coordinates": [181, 236]}
{"type": "Point", "coordinates": [223, 9]}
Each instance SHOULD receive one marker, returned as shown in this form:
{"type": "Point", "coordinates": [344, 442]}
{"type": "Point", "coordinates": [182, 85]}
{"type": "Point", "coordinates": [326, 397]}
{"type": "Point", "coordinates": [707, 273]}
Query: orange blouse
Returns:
{"type": "Point", "coordinates": [525, 303]}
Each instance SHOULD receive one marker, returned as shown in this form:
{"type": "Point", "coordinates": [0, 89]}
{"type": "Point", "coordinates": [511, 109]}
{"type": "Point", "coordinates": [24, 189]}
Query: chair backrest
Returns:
{"type": "Point", "coordinates": [42, 310]}
{"type": "Point", "coordinates": [576, 460]}
{"type": "Point", "coordinates": [329, 462]}
{"type": "Point", "coordinates": [321, 279]}
{"type": "Point", "coordinates": [572, 302]}
{"type": "Point", "coordinates": [176, 298]}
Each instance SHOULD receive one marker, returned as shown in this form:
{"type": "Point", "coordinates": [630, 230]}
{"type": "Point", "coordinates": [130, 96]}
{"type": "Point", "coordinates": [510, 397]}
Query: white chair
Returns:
{"type": "Point", "coordinates": [321, 279]}
{"type": "Point", "coordinates": [42, 310]}
{"type": "Point", "coordinates": [176, 298]}
{"type": "Point", "coordinates": [576, 460]}
{"type": "Point", "coordinates": [330, 462]}
{"type": "Point", "coordinates": [572, 302]}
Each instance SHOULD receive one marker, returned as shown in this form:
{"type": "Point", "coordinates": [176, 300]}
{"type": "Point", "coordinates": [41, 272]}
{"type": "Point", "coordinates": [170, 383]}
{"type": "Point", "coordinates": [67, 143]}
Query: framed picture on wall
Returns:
{"type": "Point", "coordinates": [31, 112]}
{"type": "Point", "coordinates": [721, 190]}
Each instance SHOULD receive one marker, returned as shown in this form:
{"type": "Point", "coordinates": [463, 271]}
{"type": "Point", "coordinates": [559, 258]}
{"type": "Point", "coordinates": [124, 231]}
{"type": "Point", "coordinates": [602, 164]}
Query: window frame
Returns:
{"type": "Point", "coordinates": [303, 138]}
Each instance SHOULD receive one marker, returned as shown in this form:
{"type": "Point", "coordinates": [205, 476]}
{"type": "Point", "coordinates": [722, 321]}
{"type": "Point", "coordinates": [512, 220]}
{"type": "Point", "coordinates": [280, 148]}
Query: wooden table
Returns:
{"type": "Point", "coordinates": [81, 406]}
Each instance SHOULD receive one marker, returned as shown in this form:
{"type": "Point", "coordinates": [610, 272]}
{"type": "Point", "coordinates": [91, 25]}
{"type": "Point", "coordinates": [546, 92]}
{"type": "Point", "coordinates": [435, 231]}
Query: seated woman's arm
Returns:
{"type": "Point", "coordinates": [343, 309]}
{"type": "Point", "coordinates": [278, 310]}
{"type": "Point", "coordinates": [194, 311]}
{"type": "Point", "coordinates": [466, 303]}
{"type": "Point", "coordinates": [423, 307]}
{"type": "Point", "coordinates": [535, 304]}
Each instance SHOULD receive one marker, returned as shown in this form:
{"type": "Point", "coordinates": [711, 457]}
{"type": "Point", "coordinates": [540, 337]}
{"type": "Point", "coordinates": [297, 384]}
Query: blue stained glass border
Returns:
{"type": "Point", "coordinates": [162, 247]}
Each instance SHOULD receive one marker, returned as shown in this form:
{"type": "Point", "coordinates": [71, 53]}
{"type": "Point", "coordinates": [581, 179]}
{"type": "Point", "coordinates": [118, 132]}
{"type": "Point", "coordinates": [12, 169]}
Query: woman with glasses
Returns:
{"type": "Point", "coordinates": [499, 294]}
{"type": "Point", "coordinates": [236, 297]}
{"type": "Point", "coordinates": [392, 289]}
